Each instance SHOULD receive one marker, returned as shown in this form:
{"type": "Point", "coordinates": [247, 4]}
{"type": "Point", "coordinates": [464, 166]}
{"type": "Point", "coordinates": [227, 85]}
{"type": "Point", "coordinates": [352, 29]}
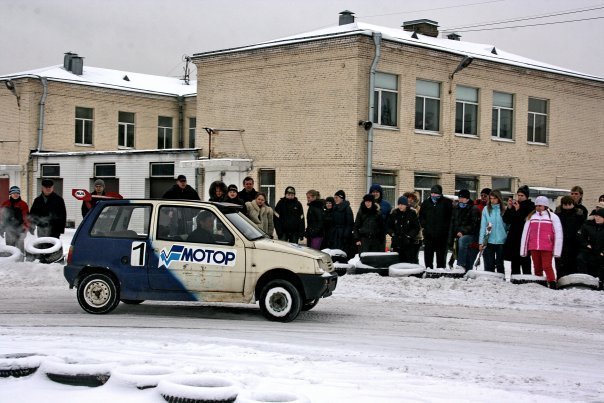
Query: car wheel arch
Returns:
{"type": "Point", "coordinates": [94, 270]}
{"type": "Point", "coordinates": [278, 274]}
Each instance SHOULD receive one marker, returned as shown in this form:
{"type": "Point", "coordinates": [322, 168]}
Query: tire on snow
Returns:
{"type": "Point", "coordinates": [98, 293]}
{"type": "Point", "coordinates": [527, 278]}
{"type": "Point", "coordinates": [579, 280]}
{"type": "Point", "coordinates": [45, 249]}
{"type": "Point", "coordinates": [265, 396]}
{"type": "Point", "coordinates": [10, 254]}
{"type": "Point", "coordinates": [406, 270]}
{"type": "Point", "coordinates": [485, 275]}
{"type": "Point", "coordinates": [91, 375]}
{"type": "Point", "coordinates": [198, 389]}
{"type": "Point", "coordinates": [379, 259]}
{"type": "Point", "coordinates": [445, 272]}
{"type": "Point", "coordinates": [140, 376]}
{"type": "Point", "coordinates": [19, 365]}
{"type": "Point", "coordinates": [280, 301]}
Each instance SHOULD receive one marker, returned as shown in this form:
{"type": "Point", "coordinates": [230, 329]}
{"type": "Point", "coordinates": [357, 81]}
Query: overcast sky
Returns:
{"type": "Point", "coordinates": [151, 36]}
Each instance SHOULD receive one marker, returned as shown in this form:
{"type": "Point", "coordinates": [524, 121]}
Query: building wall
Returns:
{"type": "Point", "coordinates": [300, 104]}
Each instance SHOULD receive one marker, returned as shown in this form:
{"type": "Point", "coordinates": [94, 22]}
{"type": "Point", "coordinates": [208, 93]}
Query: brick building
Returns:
{"type": "Point", "coordinates": [443, 111]}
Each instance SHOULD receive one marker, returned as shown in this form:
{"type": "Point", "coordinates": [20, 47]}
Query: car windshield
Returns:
{"type": "Point", "coordinates": [245, 226]}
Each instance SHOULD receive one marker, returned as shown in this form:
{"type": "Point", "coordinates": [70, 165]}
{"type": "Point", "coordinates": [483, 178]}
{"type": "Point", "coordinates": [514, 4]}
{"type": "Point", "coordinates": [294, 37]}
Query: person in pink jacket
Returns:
{"type": "Point", "coordinates": [542, 237]}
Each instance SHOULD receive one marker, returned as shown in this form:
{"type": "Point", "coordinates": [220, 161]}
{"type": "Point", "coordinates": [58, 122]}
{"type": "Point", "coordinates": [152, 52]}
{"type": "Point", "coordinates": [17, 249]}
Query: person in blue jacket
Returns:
{"type": "Point", "coordinates": [492, 246]}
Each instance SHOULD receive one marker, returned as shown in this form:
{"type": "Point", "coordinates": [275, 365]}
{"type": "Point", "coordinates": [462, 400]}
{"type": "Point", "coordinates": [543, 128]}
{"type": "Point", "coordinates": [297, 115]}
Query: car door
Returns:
{"type": "Point", "coordinates": [195, 251]}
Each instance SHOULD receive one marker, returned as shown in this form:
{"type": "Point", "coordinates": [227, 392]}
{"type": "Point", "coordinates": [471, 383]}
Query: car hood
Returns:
{"type": "Point", "coordinates": [287, 247]}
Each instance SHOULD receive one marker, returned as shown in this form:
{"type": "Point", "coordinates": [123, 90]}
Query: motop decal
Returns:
{"type": "Point", "coordinates": [210, 256]}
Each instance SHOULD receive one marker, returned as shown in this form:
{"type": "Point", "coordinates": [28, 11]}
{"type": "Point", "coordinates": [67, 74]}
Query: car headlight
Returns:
{"type": "Point", "coordinates": [321, 266]}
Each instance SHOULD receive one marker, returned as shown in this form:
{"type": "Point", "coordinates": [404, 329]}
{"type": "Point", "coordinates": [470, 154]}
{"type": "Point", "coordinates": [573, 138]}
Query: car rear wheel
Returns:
{"type": "Point", "coordinates": [97, 293]}
{"type": "Point", "coordinates": [280, 301]}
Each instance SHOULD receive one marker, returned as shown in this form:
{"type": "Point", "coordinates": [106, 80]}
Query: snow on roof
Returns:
{"type": "Point", "coordinates": [113, 152]}
{"type": "Point", "coordinates": [462, 48]}
{"type": "Point", "coordinates": [115, 79]}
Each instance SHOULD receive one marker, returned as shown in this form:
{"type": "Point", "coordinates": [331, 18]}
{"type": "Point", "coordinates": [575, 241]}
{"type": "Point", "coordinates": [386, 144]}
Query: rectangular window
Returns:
{"type": "Point", "coordinates": [504, 185]}
{"type": "Point", "coordinates": [467, 182]}
{"type": "Point", "coordinates": [267, 185]}
{"type": "Point", "coordinates": [164, 132]}
{"type": "Point", "coordinates": [537, 121]}
{"type": "Point", "coordinates": [503, 115]}
{"type": "Point", "coordinates": [125, 131]}
{"type": "Point", "coordinates": [83, 126]}
{"type": "Point", "coordinates": [387, 180]}
{"type": "Point", "coordinates": [192, 129]}
{"type": "Point", "coordinates": [104, 170]}
{"type": "Point", "coordinates": [466, 112]}
{"type": "Point", "coordinates": [423, 184]}
{"type": "Point", "coordinates": [427, 105]}
{"type": "Point", "coordinates": [50, 170]}
{"type": "Point", "coordinates": [159, 169]}
{"type": "Point", "coordinates": [385, 100]}
{"type": "Point", "coordinates": [124, 221]}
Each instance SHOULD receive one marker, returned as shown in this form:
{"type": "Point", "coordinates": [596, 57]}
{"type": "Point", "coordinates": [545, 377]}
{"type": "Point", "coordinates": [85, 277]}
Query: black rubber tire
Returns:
{"type": "Point", "coordinates": [309, 304]}
{"type": "Point", "coordinates": [90, 380]}
{"type": "Point", "coordinates": [132, 301]}
{"type": "Point", "coordinates": [385, 259]}
{"type": "Point", "coordinates": [98, 293]}
{"type": "Point", "coordinates": [382, 271]}
{"type": "Point", "coordinates": [280, 301]}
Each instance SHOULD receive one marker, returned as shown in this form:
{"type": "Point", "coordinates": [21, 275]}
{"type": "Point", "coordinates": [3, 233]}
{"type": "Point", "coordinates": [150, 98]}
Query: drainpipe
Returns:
{"type": "Point", "coordinates": [181, 120]}
{"type": "Point", "coordinates": [44, 83]}
{"type": "Point", "coordinates": [377, 39]}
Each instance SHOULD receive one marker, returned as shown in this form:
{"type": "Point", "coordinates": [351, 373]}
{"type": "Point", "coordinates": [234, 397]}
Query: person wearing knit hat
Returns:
{"type": "Point", "coordinates": [232, 196]}
{"type": "Point", "coordinates": [591, 238]}
{"type": "Point", "coordinates": [13, 218]}
{"type": "Point", "coordinates": [289, 217]}
{"type": "Point", "coordinates": [515, 214]}
{"type": "Point", "coordinates": [403, 226]}
{"type": "Point", "coordinates": [99, 190]}
{"type": "Point", "coordinates": [340, 194]}
{"type": "Point", "coordinates": [342, 224]}
{"type": "Point", "coordinates": [483, 200]}
{"type": "Point", "coordinates": [572, 219]}
{"type": "Point", "coordinates": [542, 237]}
{"type": "Point", "coordinates": [465, 226]}
{"type": "Point", "coordinates": [435, 219]}
{"type": "Point", "coordinates": [369, 228]}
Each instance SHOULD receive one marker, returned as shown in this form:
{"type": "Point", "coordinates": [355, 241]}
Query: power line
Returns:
{"type": "Point", "coordinates": [431, 9]}
{"type": "Point", "coordinates": [529, 25]}
{"type": "Point", "coordinates": [564, 12]}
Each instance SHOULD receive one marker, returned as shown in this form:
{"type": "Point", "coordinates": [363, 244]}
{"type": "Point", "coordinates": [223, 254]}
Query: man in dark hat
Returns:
{"type": "Point", "coordinates": [515, 216]}
{"type": "Point", "coordinates": [289, 217]}
{"type": "Point", "coordinates": [465, 227]}
{"type": "Point", "coordinates": [435, 219]}
{"type": "Point", "coordinates": [48, 212]}
{"type": "Point", "coordinates": [483, 200]}
{"type": "Point", "coordinates": [181, 191]}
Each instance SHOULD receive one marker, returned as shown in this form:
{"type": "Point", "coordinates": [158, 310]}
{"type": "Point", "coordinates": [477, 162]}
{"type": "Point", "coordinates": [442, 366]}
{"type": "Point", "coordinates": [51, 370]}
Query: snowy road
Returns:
{"type": "Point", "coordinates": [377, 339]}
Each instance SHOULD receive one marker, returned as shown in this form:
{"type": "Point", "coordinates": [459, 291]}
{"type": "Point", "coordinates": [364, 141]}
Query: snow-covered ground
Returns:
{"type": "Point", "coordinates": [377, 339]}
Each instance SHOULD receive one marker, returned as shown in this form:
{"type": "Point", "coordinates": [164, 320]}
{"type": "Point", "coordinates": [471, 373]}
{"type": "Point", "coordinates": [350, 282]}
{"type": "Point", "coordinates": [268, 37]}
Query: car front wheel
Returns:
{"type": "Point", "coordinates": [97, 293]}
{"type": "Point", "coordinates": [280, 301]}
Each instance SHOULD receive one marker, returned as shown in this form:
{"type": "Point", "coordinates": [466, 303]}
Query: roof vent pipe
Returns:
{"type": "Point", "coordinates": [346, 17]}
{"type": "Point", "coordinates": [77, 65]}
{"type": "Point", "coordinates": [67, 60]}
{"type": "Point", "coordinates": [423, 26]}
{"type": "Point", "coordinates": [453, 36]}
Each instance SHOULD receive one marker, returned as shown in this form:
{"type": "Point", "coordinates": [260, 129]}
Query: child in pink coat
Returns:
{"type": "Point", "coordinates": [542, 236]}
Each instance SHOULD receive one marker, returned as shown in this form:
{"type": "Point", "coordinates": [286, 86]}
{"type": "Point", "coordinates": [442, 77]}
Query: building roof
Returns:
{"type": "Point", "coordinates": [480, 51]}
{"type": "Point", "coordinates": [115, 79]}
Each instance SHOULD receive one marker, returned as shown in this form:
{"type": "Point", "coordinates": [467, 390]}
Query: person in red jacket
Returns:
{"type": "Point", "coordinates": [542, 237]}
{"type": "Point", "coordinates": [13, 218]}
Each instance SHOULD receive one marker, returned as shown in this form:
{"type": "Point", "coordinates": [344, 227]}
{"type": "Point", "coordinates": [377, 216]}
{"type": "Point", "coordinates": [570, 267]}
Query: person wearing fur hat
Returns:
{"type": "Point", "coordinates": [435, 219]}
{"type": "Point", "coordinates": [542, 237]}
{"type": "Point", "coordinates": [403, 226]}
{"type": "Point", "coordinates": [591, 240]}
{"type": "Point", "coordinates": [342, 225]}
{"type": "Point", "coordinates": [13, 218]}
{"type": "Point", "coordinates": [99, 190]}
{"type": "Point", "coordinates": [217, 191]}
{"type": "Point", "coordinates": [465, 226]}
{"type": "Point", "coordinates": [289, 217]}
{"type": "Point", "coordinates": [369, 227]}
{"type": "Point", "coordinates": [232, 196]}
{"type": "Point", "coordinates": [572, 219]}
{"type": "Point", "coordinates": [515, 216]}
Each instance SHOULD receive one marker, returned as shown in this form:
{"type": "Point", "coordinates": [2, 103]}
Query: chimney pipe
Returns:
{"type": "Point", "coordinates": [77, 65]}
{"type": "Point", "coordinates": [454, 37]}
{"type": "Point", "coordinates": [423, 26]}
{"type": "Point", "coordinates": [346, 17]}
{"type": "Point", "coordinates": [67, 60]}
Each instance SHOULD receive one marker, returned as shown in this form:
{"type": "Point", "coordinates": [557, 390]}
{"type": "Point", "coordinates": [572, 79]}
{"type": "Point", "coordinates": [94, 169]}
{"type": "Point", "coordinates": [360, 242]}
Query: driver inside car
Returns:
{"type": "Point", "coordinates": [204, 233]}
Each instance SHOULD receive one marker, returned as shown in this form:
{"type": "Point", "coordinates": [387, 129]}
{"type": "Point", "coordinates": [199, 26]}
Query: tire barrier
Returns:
{"type": "Point", "coordinates": [10, 254]}
{"type": "Point", "coordinates": [528, 278]}
{"type": "Point", "coordinates": [579, 280]}
{"type": "Point", "coordinates": [484, 275]}
{"type": "Point", "coordinates": [406, 270]}
{"type": "Point", "coordinates": [91, 375]}
{"type": "Point", "coordinates": [45, 249]}
{"type": "Point", "coordinates": [140, 376]}
{"type": "Point", "coordinates": [19, 365]}
{"type": "Point", "coordinates": [259, 396]}
{"type": "Point", "coordinates": [342, 268]}
{"type": "Point", "coordinates": [337, 255]}
{"type": "Point", "coordinates": [444, 272]}
{"type": "Point", "coordinates": [379, 259]}
{"type": "Point", "coordinates": [198, 389]}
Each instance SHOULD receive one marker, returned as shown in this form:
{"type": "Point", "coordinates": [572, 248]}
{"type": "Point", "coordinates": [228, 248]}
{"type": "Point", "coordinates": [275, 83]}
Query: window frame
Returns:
{"type": "Point", "coordinates": [422, 190]}
{"type": "Point", "coordinates": [268, 188]}
{"type": "Point", "coordinates": [86, 127]}
{"type": "Point", "coordinates": [165, 132]}
{"type": "Point", "coordinates": [389, 190]}
{"type": "Point", "coordinates": [124, 129]}
{"type": "Point", "coordinates": [532, 116]}
{"type": "Point", "coordinates": [423, 102]}
{"type": "Point", "coordinates": [497, 109]}
{"type": "Point", "coordinates": [379, 99]}
{"type": "Point", "coordinates": [165, 164]}
{"type": "Point", "coordinates": [468, 178]}
{"type": "Point", "coordinates": [464, 103]}
{"type": "Point", "coordinates": [192, 131]}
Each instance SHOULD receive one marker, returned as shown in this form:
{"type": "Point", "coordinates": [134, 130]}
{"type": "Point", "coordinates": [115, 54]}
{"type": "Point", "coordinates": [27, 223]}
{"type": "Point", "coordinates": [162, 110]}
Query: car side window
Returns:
{"type": "Point", "coordinates": [122, 221]}
{"type": "Point", "coordinates": [192, 224]}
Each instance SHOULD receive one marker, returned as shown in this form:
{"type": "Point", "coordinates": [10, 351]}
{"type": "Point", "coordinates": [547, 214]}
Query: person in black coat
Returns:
{"type": "Point", "coordinates": [435, 219]}
{"type": "Point", "coordinates": [233, 197]}
{"type": "Point", "coordinates": [205, 225]}
{"type": "Point", "coordinates": [328, 221]}
{"type": "Point", "coordinates": [315, 228]}
{"type": "Point", "coordinates": [465, 227]}
{"type": "Point", "coordinates": [218, 191]}
{"type": "Point", "coordinates": [289, 217]}
{"type": "Point", "coordinates": [343, 224]}
{"type": "Point", "coordinates": [515, 216]}
{"type": "Point", "coordinates": [403, 226]}
{"type": "Point", "coordinates": [248, 193]}
{"type": "Point", "coordinates": [591, 243]}
{"type": "Point", "coordinates": [369, 229]}
{"type": "Point", "coordinates": [48, 212]}
{"type": "Point", "coordinates": [181, 191]}
{"type": "Point", "coordinates": [571, 219]}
